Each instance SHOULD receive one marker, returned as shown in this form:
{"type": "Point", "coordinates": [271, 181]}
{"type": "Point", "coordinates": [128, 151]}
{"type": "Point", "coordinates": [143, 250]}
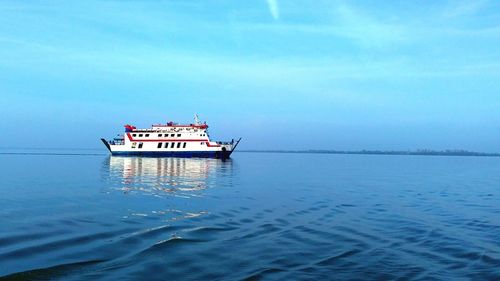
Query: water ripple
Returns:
{"type": "Point", "coordinates": [298, 217]}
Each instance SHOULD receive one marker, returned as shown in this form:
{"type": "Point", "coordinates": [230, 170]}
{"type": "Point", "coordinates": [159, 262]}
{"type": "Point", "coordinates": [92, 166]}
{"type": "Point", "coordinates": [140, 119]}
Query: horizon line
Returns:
{"type": "Point", "coordinates": [418, 152]}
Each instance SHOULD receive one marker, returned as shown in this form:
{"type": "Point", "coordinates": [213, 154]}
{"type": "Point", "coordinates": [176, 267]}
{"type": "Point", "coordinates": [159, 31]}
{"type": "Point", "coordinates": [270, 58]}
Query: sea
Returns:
{"type": "Point", "coordinates": [86, 215]}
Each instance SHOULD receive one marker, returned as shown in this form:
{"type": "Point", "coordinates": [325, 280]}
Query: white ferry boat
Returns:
{"type": "Point", "coordinates": [171, 139]}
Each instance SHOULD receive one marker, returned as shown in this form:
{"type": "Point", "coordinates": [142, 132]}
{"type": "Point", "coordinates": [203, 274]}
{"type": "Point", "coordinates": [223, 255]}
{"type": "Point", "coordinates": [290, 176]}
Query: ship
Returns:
{"type": "Point", "coordinates": [170, 140]}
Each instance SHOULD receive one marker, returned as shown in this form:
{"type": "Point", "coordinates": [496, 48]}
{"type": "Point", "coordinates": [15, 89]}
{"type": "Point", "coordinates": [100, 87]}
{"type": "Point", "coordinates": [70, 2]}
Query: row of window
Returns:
{"type": "Point", "coordinates": [139, 146]}
{"type": "Point", "coordinates": [166, 135]}
{"type": "Point", "coordinates": [172, 144]}
{"type": "Point", "coordinates": [140, 135]}
{"type": "Point", "coordinates": [162, 135]}
{"type": "Point", "coordinates": [163, 144]}
{"type": "Point", "coordinates": [159, 135]}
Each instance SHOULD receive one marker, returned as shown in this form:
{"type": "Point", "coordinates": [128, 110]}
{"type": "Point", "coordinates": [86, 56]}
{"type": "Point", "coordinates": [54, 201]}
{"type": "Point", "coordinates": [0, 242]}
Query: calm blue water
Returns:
{"type": "Point", "coordinates": [258, 216]}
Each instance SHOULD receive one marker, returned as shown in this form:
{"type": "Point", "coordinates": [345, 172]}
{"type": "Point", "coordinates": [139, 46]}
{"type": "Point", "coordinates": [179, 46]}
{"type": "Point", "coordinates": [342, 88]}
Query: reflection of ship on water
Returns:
{"type": "Point", "coordinates": [161, 176]}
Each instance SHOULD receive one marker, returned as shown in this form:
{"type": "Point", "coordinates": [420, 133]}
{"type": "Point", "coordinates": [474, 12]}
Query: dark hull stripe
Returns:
{"type": "Point", "coordinates": [185, 154]}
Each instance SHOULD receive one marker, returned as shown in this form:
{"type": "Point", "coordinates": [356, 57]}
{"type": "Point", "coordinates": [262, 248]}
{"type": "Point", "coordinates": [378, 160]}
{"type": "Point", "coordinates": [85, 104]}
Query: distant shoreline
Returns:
{"type": "Point", "coordinates": [379, 152]}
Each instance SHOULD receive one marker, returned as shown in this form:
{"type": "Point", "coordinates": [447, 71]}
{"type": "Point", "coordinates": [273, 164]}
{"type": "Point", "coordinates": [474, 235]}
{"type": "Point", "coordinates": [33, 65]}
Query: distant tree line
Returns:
{"type": "Point", "coordinates": [429, 152]}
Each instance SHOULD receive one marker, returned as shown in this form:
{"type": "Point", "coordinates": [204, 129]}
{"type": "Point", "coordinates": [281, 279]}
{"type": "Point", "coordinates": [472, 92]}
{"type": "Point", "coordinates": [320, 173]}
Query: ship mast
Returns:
{"type": "Point", "coordinates": [196, 119]}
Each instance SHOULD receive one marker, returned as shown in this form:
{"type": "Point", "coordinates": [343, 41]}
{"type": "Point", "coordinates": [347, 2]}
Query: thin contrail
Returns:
{"type": "Point", "coordinates": [273, 8]}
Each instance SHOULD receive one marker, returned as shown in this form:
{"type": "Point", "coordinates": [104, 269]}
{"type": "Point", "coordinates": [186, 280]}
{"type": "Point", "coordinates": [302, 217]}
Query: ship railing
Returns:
{"type": "Point", "coordinates": [116, 142]}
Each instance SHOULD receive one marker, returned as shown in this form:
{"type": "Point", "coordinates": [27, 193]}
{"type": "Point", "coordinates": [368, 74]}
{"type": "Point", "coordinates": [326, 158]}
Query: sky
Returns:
{"type": "Point", "coordinates": [342, 75]}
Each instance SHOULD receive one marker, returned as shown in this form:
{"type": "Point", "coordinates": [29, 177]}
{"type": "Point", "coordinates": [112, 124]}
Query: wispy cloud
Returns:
{"type": "Point", "coordinates": [372, 52]}
{"type": "Point", "coordinates": [462, 8]}
{"type": "Point", "coordinates": [274, 9]}
{"type": "Point", "coordinates": [368, 30]}
{"type": "Point", "coordinates": [343, 21]}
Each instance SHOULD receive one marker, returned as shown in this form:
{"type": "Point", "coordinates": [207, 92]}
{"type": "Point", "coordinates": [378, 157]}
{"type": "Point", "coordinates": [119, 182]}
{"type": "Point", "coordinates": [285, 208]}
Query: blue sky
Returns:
{"type": "Point", "coordinates": [281, 74]}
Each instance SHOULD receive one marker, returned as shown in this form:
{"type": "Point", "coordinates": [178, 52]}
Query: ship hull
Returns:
{"type": "Point", "coordinates": [183, 154]}
{"type": "Point", "coordinates": [170, 140]}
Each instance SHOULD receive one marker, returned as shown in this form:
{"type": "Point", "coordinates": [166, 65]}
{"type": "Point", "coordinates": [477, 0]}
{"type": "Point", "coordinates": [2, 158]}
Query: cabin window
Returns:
{"type": "Point", "coordinates": [172, 145]}
{"type": "Point", "coordinates": [178, 135]}
{"type": "Point", "coordinates": [184, 145]}
{"type": "Point", "coordinates": [166, 145]}
{"type": "Point", "coordinates": [159, 145]}
{"type": "Point", "coordinates": [178, 145]}
{"type": "Point", "coordinates": [140, 135]}
{"type": "Point", "coordinates": [133, 145]}
{"type": "Point", "coordinates": [160, 135]}
{"type": "Point", "coordinates": [140, 145]}
{"type": "Point", "coordinates": [201, 143]}
{"type": "Point", "coordinates": [147, 135]}
{"type": "Point", "coordinates": [172, 135]}
{"type": "Point", "coordinates": [134, 135]}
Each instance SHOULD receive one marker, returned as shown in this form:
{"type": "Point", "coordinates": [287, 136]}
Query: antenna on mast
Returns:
{"type": "Point", "coordinates": [196, 119]}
